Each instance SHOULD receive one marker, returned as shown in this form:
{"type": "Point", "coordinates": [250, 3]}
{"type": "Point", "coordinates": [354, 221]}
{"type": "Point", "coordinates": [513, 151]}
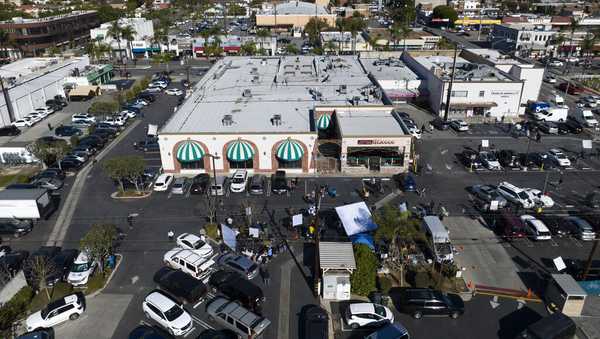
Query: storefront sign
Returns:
{"type": "Point", "coordinates": [375, 142]}
{"type": "Point", "coordinates": [505, 92]}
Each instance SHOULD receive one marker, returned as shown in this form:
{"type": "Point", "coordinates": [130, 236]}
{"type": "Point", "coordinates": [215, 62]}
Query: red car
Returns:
{"type": "Point", "coordinates": [573, 89]}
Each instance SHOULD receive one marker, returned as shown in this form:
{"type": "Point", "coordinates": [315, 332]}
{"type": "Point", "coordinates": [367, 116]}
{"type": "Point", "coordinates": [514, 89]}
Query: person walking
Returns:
{"type": "Point", "coordinates": [171, 235]}
{"type": "Point", "coordinates": [538, 137]}
{"type": "Point", "coordinates": [264, 273]}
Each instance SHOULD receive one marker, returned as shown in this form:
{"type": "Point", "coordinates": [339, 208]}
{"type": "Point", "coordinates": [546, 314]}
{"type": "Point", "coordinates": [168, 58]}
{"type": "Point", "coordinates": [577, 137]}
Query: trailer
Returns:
{"type": "Point", "coordinates": [440, 238]}
{"type": "Point", "coordinates": [32, 204]}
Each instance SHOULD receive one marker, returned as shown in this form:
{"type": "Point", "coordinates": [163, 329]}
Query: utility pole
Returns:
{"type": "Point", "coordinates": [317, 273]}
{"type": "Point", "coordinates": [588, 264]}
{"type": "Point", "coordinates": [447, 108]}
{"type": "Point", "coordinates": [9, 108]}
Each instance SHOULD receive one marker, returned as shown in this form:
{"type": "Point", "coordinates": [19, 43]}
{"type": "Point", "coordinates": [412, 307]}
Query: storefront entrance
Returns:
{"type": "Point", "coordinates": [374, 158]}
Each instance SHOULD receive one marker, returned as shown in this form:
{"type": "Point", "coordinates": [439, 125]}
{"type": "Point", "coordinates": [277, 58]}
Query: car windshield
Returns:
{"type": "Point", "coordinates": [80, 267]}
{"type": "Point", "coordinates": [44, 312]}
{"type": "Point", "coordinates": [158, 184]}
{"type": "Point", "coordinates": [491, 157]}
{"type": "Point", "coordinates": [237, 180]}
{"type": "Point", "coordinates": [379, 310]}
{"type": "Point", "coordinates": [198, 244]}
{"type": "Point", "coordinates": [173, 313]}
{"type": "Point", "coordinates": [523, 195]}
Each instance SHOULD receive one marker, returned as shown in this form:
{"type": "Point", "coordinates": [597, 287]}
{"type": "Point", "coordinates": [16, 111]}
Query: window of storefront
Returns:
{"type": "Point", "coordinates": [289, 164]}
{"type": "Point", "coordinates": [241, 164]}
{"type": "Point", "coordinates": [192, 164]}
{"type": "Point", "coordinates": [374, 157]}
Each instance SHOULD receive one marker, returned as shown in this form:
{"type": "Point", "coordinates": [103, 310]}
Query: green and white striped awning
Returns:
{"type": "Point", "coordinates": [290, 150]}
{"type": "Point", "coordinates": [324, 121]}
{"type": "Point", "coordinates": [190, 151]}
{"type": "Point", "coordinates": [240, 150]}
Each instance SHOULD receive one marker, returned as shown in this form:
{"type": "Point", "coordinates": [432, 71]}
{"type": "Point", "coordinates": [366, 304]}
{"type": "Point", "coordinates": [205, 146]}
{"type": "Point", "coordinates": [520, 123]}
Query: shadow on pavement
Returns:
{"type": "Point", "coordinates": [512, 324]}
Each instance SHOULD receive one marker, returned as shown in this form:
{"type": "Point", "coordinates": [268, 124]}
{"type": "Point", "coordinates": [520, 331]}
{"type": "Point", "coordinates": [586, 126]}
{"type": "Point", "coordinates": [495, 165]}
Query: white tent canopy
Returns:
{"type": "Point", "coordinates": [356, 218]}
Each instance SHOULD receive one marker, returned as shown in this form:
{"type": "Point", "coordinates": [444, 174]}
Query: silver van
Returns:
{"type": "Point", "coordinates": [218, 187]}
{"type": "Point", "coordinates": [236, 318]}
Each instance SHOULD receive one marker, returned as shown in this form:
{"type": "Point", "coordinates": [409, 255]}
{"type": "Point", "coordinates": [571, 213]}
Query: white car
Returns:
{"type": "Point", "coordinates": [41, 114]}
{"type": "Point", "coordinates": [23, 122]}
{"type": "Point", "coordinates": [515, 194]}
{"type": "Point", "coordinates": [162, 182]}
{"type": "Point", "coordinates": [490, 161]}
{"type": "Point", "coordinates": [152, 89]}
{"type": "Point", "coordinates": [47, 110]}
{"type": "Point", "coordinates": [167, 313]}
{"type": "Point", "coordinates": [556, 63]}
{"type": "Point", "coordinates": [536, 228]}
{"type": "Point", "coordinates": [114, 121]}
{"type": "Point", "coordinates": [459, 125]}
{"type": "Point", "coordinates": [128, 114]}
{"type": "Point", "coordinates": [141, 102]}
{"type": "Point", "coordinates": [158, 84]}
{"type": "Point", "coordinates": [238, 181]}
{"type": "Point", "coordinates": [35, 117]}
{"type": "Point", "coordinates": [367, 314]}
{"type": "Point", "coordinates": [539, 198]}
{"type": "Point", "coordinates": [83, 267]}
{"type": "Point", "coordinates": [195, 243]}
{"type": "Point", "coordinates": [174, 91]}
{"type": "Point", "coordinates": [550, 80]}
{"type": "Point", "coordinates": [83, 117]}
{"type": "Point", "coordinates": [559, 157]}
{"type": "Point", "coordinates": [68, 308]}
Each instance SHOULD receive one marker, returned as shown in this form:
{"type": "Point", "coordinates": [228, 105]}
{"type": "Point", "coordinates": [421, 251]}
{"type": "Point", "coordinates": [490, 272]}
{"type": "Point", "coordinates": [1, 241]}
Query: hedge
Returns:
{"type": "Point", "coordinates": [15, 307]}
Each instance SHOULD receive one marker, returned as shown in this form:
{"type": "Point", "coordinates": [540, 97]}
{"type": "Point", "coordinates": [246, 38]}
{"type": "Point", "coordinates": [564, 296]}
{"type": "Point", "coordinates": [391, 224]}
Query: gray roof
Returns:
{"type": "Point", "coordinates": [465, 70]}
{"type": "Point", "coordinates": [364, 122]}
{"type": "Point", "coordinates": [295, 8]}
{"type": "Point", "coordinates": [252, 90]}
{"type": "Point", "coordinates": [336, 256]}
{"type": "Point", "coordinates": [388, 69]}
{"type": "Point", "coordinates": [22, 194]}
{"type": "Point", "coordinates": [569, 285]}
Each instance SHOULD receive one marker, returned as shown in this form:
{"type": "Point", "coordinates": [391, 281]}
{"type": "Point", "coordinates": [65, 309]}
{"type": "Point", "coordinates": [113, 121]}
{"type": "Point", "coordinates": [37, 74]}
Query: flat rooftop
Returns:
{"type": "Point", "coordinates": [465, 71]}
{"type": "Point", "coordinates": [358, 122]}
{"type": "Point", "coordinates": [341, 37]}
{"type": "Point", "coordinates": [388, 69]}
{"type": "Point", "coordinates": [27, 69]}
{"type": "Point", "coordinates": [19, 20]}
{"type": "Point", "coordinates": [253, 94]}
{"type": "Point", "coordinates": [494, 56]}
{"type": "Point", "coordinates": [294, 8]}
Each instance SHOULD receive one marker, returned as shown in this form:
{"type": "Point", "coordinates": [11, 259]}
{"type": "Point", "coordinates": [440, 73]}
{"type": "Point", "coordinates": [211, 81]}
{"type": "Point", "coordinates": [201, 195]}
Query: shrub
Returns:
{"type": "Point", "coordinates": [15, 307]}
{"type": "Point", "coordinates": [212, 231]}
{"type": "Point", "coordinates": [422, 279]}
{"type": "Point", "coordinates": [364, 277]}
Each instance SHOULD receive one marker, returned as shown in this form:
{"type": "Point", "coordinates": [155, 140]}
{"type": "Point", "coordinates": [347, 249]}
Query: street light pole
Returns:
{"type": "Point", "coordinates": [447, 108]}
{"type": "Point", "coordinates": [317, 269]}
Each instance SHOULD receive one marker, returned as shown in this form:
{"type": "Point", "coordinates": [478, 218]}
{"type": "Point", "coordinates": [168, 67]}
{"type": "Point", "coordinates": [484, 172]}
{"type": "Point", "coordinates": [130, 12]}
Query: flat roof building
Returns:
{"type": "Point", "coordinates": [343, 42]}
{"type": "Point", "coordinates": [265, 114]}
{"type": "Point", "coordinates": [294, 14]}
{"type": "Point", "coordinates": [395, 78]}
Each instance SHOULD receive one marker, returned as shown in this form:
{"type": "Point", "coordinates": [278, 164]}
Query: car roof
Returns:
{"type": "Point", "coordinates": [189, 237]}
{"type": "Point", "coordinates": [82, 258]}
{"type": "Point", "coordinates": [160, 300]}
{"type": "Point", "coordinates": [362, 308]}
{"type": "Point", "coordinates": [163, 177]}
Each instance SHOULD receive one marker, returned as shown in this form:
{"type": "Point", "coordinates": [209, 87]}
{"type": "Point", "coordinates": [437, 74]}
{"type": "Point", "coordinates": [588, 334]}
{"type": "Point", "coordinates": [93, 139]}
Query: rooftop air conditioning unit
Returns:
{"type": "Point", "coordinates": [247, 93]}
{"type": "Point", "coordinates": [343, 89]}
{"type": "Point", "coordinates": [255, 78]}
{"type": "Point", "coordinates": [276, 120]}
{"type": "Point", "coordinates": [227, 120]}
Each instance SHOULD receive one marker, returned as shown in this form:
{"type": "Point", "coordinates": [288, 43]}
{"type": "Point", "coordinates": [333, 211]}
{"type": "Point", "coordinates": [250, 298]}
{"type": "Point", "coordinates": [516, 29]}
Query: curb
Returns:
{"type": "Point", "coordinates": [109, 277]}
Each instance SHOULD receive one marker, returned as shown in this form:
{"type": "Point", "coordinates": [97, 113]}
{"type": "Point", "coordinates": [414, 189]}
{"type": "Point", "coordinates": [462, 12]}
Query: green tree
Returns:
{"type": "Point", "coordinates": [235, 10]}
{"type": "Point", "coordinates": [313, 28]}
{"type": "Point", "coordinates": [291, 49]}
{"type": "Point", "coordinates": [355, 24]}
{"type": "Point", "coordinates": [363, 279]}
{"type": "Point", "coordinates": [49, 152]}
{"type": "Point", "coordinates": [262, 34]}
{"type": "Point", "coordinates": [107, 13]}
{"type": "Point", "coordinates": [128, 34]}
{"type": "Point", "coordinates": [402, 11]}
{"type": "Point", "coordinates": [445, 12]}
{"type": "Point", "coordinates": [443, 43]}
{"type": "Point", "coordinates": [104, 107]}
{"type": "Point", "coordinates": [248, 48]}
{"type": "Point", "coordinates": [162, 58]}
{"type": "Point", "coordinates": [99, 241]}
{"type": "Point", "coordinates": [53, 51]}
{"type": "Point", "coordinates": [115, 169]}
{"type": "Point", "coordinates": [133, 166]}
{"type": "Point", "coordinates": [114, 31]}
{"type": "Point", "coordinates": [40, 268]}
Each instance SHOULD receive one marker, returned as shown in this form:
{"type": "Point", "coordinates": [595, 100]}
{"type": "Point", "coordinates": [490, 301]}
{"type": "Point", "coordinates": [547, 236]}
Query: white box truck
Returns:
{"type": "Point", "coordinates": [440, 238]}
{"type": "Point", "coordinates": [32, 204]}
{"type": "Point", "coordinates": [553, 113]}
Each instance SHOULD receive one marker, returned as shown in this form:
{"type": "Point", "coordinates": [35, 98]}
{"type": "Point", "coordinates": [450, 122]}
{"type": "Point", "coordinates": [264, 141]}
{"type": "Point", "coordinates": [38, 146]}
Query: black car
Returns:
{"type": "Point", "coordinates": [316, 323]}
{"type": "Point", "coordinates": [13, 262]}
{"type": "Point", "coordinates": [470, 159]}
{"type": "Point", "coordinates": [147, 96]}
{"type": "Point", "coordinates": [104, 125]}
{"type": "Point", "coordinates": [67, 131]}
{"type": "Point", "coordinates": [420, 302]}
{"type": "Point", "coordinates": [558, 225]}
{"type": "Point", "coordinates": [548, 127]}
{"type": "Point", "coordinates": [49, 173]}
{"type": "Point", "coordinates": [279, 183]}
{"type": "Point", "coordinates": [15, 227]}
{"type": "Point", "coordinates": [50, 140]}
{"type": "Point", "coordinates": [573, 125]}
{"type": "Point", "coordinates": [148, 332]}
{"type": "Point", "coordinates": [69, 165]}
{"type": "Point", "coordinates": [217, 334]}
{"type": "Point", "coordinates": [200, 183]}
{"type": "Point", "coordinates": [440, 124]}
{"type": "Point", "coordinates": [61, 265]}
{"type": "Point", "coordinates": [509, 159]}
{"type": "Point", "coordinates": [9, 131]}
{"type": "Point", "coordinates": [21, 186]}
{"type": "Point", "coordinates": [180, 285]}
{"type": "Point", "coordinates": [542, 160]}
{"type": "Point", "coordinates": [42, 333]}
{"type": "Point", "coordinates": [148, 145]}
{"type": "Point", "coordinates": [236, 287]}
{"type": "Point", "coordinates": [87, 149]}
{"type": "Point", "coordinates": [105, 134]}
{"type": "Point", "coordinates": [92, 140]}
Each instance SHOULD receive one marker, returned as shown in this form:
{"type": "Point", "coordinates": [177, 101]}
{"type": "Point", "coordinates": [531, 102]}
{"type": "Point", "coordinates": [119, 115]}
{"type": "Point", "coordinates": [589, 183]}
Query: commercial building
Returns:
{"type": "Point", "coordinates": [36, 35]}
{"type": "Point", "coordinates": [390, 73]}
{"type": "Point", "coordinates": [526, 40]}
{"type": "Point", "coordinates": [298, 113]}
{"type": "Point", "coordinates": [343, 42]}
{"type": "Point", "coordinates": [232, 44]}
{"type": "Point", "coordinates": [479, 91]}
{"type": "Point", "coordinates": [294, 14]}
{"type": "Point", "coordinates": [416, 40]}
{"type": "Point", "coordinates": [32, 81]}
{"type": "Point", "coordinates": [140, 46]}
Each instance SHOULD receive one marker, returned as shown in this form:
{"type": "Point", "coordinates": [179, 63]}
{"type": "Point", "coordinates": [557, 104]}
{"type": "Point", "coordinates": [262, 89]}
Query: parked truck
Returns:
{"type": "Point", "coordinates": [30, 204]}
{"type": "Point", "coordinates": [586, 117]}
{"type": "Point", "coordinates": [440, 238]}
{"type": "Point", "coordinates": [553, 113]}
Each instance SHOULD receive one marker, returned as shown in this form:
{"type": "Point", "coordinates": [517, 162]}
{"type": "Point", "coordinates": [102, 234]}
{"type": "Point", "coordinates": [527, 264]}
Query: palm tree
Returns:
{"type": "Point", "coordinates": [356, 24]}
{"type": "Point", "coordinates": [262, 34]}
{"type": "Point", "coordinates": [114, 31]}
{"type": "Point", "coordinates": [340, 24]}
{"type": "Point", "coordinates": [128, 33]}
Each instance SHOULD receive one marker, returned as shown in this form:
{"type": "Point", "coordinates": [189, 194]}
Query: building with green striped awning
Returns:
{"type": "Point", "coordinates": [190, 151]}
{"type": "Point", "coordinates": [324, 122]}
{"type": "Point", "coordinates": [290, 150]}
{"type": "Point", "coordinates": [240, 150]}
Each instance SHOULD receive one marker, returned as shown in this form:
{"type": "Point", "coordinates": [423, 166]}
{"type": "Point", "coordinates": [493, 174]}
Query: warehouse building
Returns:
{"type": "Point", "coordinates": [292, 14]}
{"type": "Point", "coordinates": [291, 113]}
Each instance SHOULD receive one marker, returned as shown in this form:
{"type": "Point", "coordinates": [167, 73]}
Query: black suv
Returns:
{"type": "Point", "coordinates": [200, 183]}
{"type": "Point", "coordinates": [9, 131]}
{"type": "Point", "coordinates": [236, 287]}
{"type": "Point", "coordinates": [424, 301]}
{"type": "Point", "coordinates": [15, 227]}
{"type": "Point", "coordinates": [279, 183]}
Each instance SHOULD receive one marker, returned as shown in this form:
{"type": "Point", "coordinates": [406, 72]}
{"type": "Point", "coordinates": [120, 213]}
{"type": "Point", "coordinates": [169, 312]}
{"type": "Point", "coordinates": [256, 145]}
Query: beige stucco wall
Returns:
{"type": "Point", "coordinates": [298, 21]}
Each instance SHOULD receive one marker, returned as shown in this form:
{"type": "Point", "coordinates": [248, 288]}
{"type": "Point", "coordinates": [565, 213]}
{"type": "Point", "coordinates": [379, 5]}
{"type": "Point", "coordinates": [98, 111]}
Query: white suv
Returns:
{"type": "Point", "coordinates": [81, 270]}
{"type": "Point", "coordinates": [68, 308]}
{"type": "Point", "coordinates": [83, 117]}
{"type": "Point", "coordinates": [167, 313]}
{"type": "Point", "coordinates": [162, 182]}
{"type": "Point", "coordinates": [559, 157]}
{"type": "Point", "coordinates": [515, 195]}
{"type": "Point", "coordinates": [238, 181]}
{"type": "Point", "coordinates": [195, 243]}
{"type": "Point", "coordinates": [367, 314]}
{"type": "Point", "coordinates": [189, 262]}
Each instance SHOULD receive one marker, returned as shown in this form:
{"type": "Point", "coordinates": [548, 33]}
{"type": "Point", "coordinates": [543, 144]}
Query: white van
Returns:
{"type": "Point", "coordinates": [515, 194]}
{"type": "Point", "coordinates": [586, 117]}
{"type": "Point", "coordinates": [218, 187]}
{"type": "Point", "coordinates": [440, 237]}
{"type": "Point", "coordinates": [536, 228]}
{"type": "Point", "coordinates": [554, 114]}
{"type": "Point", "coordinates": [190, 262]}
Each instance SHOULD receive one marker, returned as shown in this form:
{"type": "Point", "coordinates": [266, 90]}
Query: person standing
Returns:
{"type": "Point", "coordinates": [264, 273]}
{"type": "Point", "coordinates": [171, 235]}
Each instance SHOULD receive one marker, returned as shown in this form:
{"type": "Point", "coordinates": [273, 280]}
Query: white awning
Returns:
{"type": "Point", "coordinates": [356, 218]}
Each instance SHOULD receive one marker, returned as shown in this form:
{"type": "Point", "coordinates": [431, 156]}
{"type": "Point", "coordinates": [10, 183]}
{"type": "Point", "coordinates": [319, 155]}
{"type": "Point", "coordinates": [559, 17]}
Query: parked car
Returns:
{"type": "Point", "coordinates": [239, 180]}
{"type": "Point", "coordinates": [46, 110]}
{"type": "Point", "coordinates": [174, 91]}
{"type": "Point", "coordinates": [148, 145]}
{"type": "Point", "coordinates": [470, 158]}
{"type": "Point", "coordinates": [548, 127]}
{"type": "Point", "coordinates": [407, 183]}
{"type": "Point", "coordinates": [68, 308]}
{"type": "Point", "coordinates": [168, 313]}
{"type": "Point", "coordinates": [420, 302]}
{"type": "Point", "coordinates": [459, 125]}
{"type": "Point", "coordinates": [236, 318]}
{"type": "Point", "coordinates": [189, 262]}
{"type": "Point", "coordinates": [180, 285]}
{"type": "Point", "coordinates": [316, 322]}
{"type": "Point", "coordinates": [10, 130]}
{"type": "Point", "coordinates": [23, 122]}
{"type": "Point", "coordinates": [279, 183]}
{"type": "Point", "coordinates": [195, 243]}
{"type": "Point", "coordinates": [13, 262]}
{"type": "Point", "coordinates": [488, 193]}
{"type": "Point", "coordinates": [490, 161]}
{"type": "Point", "coordinates": [509, 159]}
{"type": "Point", "coordinates": [440, 124]}
{"type": "Point", "coordinates": [559, 157]}
{"type": "Point", "coordinates": [52, 184]}
{"type": "Point", "coordinates": [162, 182]}
{"type": "Point", "coordinates": [61, 264]}
{"type": "Point", "coordinates": [15, 227]}
{"type": "Point", "coordinates": [67, 131]}
{"type": "Point", "coordinates": [149, 332]}
{"type": "Point", "coordinates": [83, 117]}
{"type": "Point", "coordinates": [367, 314]}
{"type": "Point", "coordinates": [535, 228]}
{"type": "Point", "coordinates": [515, 195]}
{"type": "Point", "coordinates": [540, 199]}
{"type": "Point", "coordinates": [87, 149]}
{"type": "Point", "coordinates": [181, 185]}
{"type": "Point", "coordinates": [151, 90]}
{"type": "Point", "coordinates": [542, 160]}
{"type": "Point", "coordinates": [555, 63]}
{"type": "Point", "coordinates": [82, 269]}
{"type": "Point", "coordinates": [391, 331]}
{"type": "Point", "coordinates": [584, 231]}
{"type": "Point", "coordinates": [50, 173]}
{"type": "Point", "coordinates": [236, 287]}
{"type": "Point", "coordinates": [257, 184]}
{"type": "Point", "coordinates": [508, 225]}
{"type": "Point", "coordinates": [558, 225]}
{"type": "Point", "coordinates": [239, 263]}
{"type": "Point", "coordinates": [200, 183]}
{"type": "Point", "coordinates": [69, 165]}
{"type": "Point", "coordinates": [573, 125]}
{"type": "Point", "coordinates": [147, 96]}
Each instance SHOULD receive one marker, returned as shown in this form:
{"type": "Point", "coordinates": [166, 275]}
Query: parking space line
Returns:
{"type": "Point", "coordinates": [576, 242]}
{"type": "Point", "coordinates": [553, 242]}
{"type": "Point", "coordinates": [190, 332]}
{"type": "Point", "coordinates": [198, 304]}
{"type": "Point", "coordinates": [202, 323]}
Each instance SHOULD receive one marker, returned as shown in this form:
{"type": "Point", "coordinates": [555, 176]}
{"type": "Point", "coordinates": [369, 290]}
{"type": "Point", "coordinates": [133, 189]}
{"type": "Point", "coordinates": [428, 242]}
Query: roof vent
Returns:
{"type": "Point", "coordinates": [276, 120]}
{"type": "Point", "coordinates": [254, 70]}
{"type": "Point", "coordinates": [355, 100]}
{"type": "Point", "coordinates": [255, 78]}
{"type": "Point", "coordinates": [343, 89]}
{"type": "Point", "coordinates": [247, 93]}
{"type": "Point", "coordinates": [227, 120]}
{"type": "Point", "coordinates": [263, 62]}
